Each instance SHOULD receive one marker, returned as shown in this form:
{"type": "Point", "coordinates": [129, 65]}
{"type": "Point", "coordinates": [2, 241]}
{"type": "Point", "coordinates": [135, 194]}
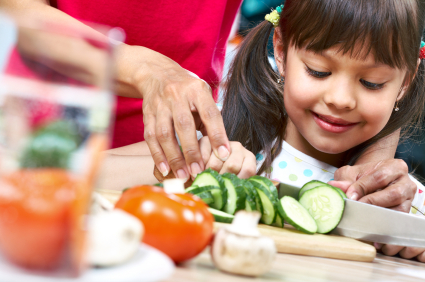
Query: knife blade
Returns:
{"type": "Point", "coordinates": [376, 224]}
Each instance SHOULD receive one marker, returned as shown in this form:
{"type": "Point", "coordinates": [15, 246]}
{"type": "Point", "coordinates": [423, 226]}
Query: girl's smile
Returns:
{"type": "Point", "coordinates": [332, 124]}
{"type": "Point", "coordinates": [336, 102]}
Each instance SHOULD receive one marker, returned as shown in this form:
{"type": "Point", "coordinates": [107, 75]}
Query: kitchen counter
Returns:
{"type": "Point", "coordinates": [294, 268]}
{"type": "Point", "coordinates": [297, 268]}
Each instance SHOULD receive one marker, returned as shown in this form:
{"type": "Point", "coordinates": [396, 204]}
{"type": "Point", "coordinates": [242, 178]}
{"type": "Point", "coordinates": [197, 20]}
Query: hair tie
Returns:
{"type": "Point", "coordinates": [422, 51]}
{"type": "Point", "coordinates": [274, 16]}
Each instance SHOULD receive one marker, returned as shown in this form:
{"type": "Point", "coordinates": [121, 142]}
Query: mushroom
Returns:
{"type": "Point", "coordinates": [113, 235]}
{"type": "Point", "coordinates": [239, 248]}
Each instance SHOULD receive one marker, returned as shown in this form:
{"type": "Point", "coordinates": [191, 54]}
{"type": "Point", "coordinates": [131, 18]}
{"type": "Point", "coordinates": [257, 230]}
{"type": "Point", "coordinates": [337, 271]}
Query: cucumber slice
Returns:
{"type": "Point", "coordinates": [196, 190]}
{"type": "Point", "coordinates": [268, 201]}
{"type": "Point", "coordinates": [211, 177]}
{"type": "Point", "coordinates": [308, 186]}
{"type": "Point", "coordinates": [220, 216]}
{"type": "Point", "coordinates": [315, 183]}
{"type": "Point", "coordinates": [298, 216]}
{"type": "Point", "coordinates": [206, 196]}
{"type": "Point", "coordinates": [236, 195]}
{"type": "Point", "coordinates": [266, 183]}
{"type": "Point", "coordinates": [278, 222]}
{"type": "Point", "coordinates": [251, 197]}
{"type": "Point", "coordinates": [326, 205]}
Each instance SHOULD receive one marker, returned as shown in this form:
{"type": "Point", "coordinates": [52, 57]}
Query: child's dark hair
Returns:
{"type": "Point", "coordinates": [253, 108]}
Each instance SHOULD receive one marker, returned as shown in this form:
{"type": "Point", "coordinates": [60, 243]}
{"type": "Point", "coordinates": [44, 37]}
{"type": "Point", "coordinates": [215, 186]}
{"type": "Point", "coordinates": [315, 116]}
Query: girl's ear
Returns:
{"type": "Point", "coordinates": [407, 82]}
{"type": "Point", "coordinates": [278, 51]}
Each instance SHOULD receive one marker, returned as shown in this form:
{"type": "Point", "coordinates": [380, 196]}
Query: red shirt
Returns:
{"type": "Point", "coordinates": [192, 33]}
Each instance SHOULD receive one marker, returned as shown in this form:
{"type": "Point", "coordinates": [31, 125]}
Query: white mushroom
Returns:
{"type": "Point", "coordinates": [240, 248]}
{"type": "Point", "coordinates": [113, 235]}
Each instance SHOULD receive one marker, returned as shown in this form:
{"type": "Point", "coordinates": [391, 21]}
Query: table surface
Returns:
{"type": "Point", "coordinates": [297, 268]}
{"type": "Point", "coordinates": [294, 268]}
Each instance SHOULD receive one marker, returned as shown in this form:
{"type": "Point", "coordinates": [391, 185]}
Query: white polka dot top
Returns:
{"type": "Point", "coordinates": [293, 168]}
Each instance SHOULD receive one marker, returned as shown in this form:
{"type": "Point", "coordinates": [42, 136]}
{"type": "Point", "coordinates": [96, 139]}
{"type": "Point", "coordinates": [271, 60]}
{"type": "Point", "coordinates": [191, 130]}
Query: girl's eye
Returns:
{"type": "Point", "coordinates": [370, 85]}
{"type": "Point", "coordinates": [317, 74]}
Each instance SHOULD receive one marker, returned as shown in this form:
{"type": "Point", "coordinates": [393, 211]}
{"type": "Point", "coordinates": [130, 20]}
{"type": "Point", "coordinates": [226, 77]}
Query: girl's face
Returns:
{"type": "Point", "coordinates": [335, 102]}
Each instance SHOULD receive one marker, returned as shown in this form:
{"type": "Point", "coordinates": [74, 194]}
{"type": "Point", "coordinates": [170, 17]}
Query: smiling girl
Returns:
{"type": "Point", "coordinates": [349, 75]}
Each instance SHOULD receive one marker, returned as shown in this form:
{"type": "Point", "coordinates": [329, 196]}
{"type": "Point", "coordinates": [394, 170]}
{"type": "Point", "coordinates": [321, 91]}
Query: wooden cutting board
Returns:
{"type": "Point", "coordinates": [291, 241]}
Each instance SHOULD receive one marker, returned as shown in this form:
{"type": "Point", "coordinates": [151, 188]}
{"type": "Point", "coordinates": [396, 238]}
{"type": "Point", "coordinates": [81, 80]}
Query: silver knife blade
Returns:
{"type": "Point", "coordinates": [376, 224]}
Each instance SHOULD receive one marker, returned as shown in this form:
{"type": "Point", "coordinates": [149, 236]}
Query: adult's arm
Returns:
{"type": "Point", "coordinates": [172, 95]}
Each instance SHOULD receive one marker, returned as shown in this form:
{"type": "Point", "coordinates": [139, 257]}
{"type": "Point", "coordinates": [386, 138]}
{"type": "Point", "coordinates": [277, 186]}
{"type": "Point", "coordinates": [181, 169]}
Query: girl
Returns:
{"type": "Point", "coordinates": [349, 75]}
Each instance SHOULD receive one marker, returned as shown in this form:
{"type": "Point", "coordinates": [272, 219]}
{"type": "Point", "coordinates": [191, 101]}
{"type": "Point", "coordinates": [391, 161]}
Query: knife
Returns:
{"type": "Point", "coordinates": [374, 224]}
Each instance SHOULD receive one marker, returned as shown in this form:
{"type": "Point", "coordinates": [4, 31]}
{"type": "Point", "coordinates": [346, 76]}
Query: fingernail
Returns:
{"type": "Point", "coordinates": [223, 153]}
{"type": "Point", "coordinates": [377, 246]}
{"type": "Point", "coordinates": [163, 169]}
{"type": "Point", "coordinates": [195, 169]}
{"type": "Point", "coordinates": [354, 196]}
{"type": "Point", "coordinates": [182, 174]}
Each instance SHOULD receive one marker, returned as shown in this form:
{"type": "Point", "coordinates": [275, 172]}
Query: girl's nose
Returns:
{"type": "Point", "coordinates": [341, 94]}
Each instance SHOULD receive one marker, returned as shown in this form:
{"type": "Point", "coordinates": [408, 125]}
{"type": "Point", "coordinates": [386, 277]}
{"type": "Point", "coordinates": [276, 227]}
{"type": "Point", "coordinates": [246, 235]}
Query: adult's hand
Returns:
{"type": "Point", "coordinates": [175, 99]}
{"type": "Point", "coordinates": [385, 184]}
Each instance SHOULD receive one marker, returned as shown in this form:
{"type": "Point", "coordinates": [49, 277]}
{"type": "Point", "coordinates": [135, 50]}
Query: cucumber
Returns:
{"type": "Point", "coordinates": [315, 183]}
{"type": "Point", "coordinates": [220, 216]}
{"type": "Point", "coordinates": [210, 177]}
{"type": "Point", "coordinates": [298, 216]}
{"type": "Point", "coordinates": [278, 222]}
{"type": "Point", "coordinates": [196, 189]}
{"type": "Point", "coordinates": [309, 185]}
{"type": "Point", "coordinates": [206, 196]}
{"type": "Point", "coordinates": [236, 195]}
{"type": "Point", "coordinates": [251, 197]}
{"type": "Point", "coordinates": [268, 201]}
{"type": "Point", "coordinates": [266, 183]}
{"type": "Point", "coordinates": [326, 205]}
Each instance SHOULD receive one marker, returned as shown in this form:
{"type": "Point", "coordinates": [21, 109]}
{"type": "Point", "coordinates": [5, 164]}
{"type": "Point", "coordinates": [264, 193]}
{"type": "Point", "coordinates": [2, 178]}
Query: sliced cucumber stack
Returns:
{"type": "Point", "coordinates": [326, 205]}
{"type": "Point", "coordinates": [268, 202]}
{"type": "Point", "coordinates": [210, 177]}
{"type": "Point", "coordinates": [298, 216]}
{"type": "Point", "coordinates": [220, 216]}
{"type": "Point", "coordinates": [251, 197]}
{"type": "Point", "coordinates": [236, 194]}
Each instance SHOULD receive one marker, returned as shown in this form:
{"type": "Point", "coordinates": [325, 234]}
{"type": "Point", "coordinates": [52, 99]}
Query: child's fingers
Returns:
{"type": "Point", "coordinates": [249, 167]}
{"type": "Point", "coordinates": [234, 163]}
{"type": "Point", "coordinates": [215, 163]}
{"type": "Point", "coordinates": [206, 150]}
{"type": "Point", "coordinates": [411, 252]}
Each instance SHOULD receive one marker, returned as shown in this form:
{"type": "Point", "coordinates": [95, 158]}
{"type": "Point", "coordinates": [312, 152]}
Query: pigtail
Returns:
{"type": "Point", "coordinates": [253, 108]}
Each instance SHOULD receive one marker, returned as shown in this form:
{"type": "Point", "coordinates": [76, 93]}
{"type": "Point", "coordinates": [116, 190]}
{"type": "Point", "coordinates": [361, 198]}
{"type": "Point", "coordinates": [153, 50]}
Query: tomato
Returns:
{"type": "Point", "coordinates": [179, 225]}
{"type": "Point", "coordinates": [33, 216]}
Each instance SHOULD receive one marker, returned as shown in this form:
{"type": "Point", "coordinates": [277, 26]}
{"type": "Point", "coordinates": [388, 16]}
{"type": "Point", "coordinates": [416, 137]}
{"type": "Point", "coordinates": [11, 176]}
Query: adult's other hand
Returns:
{"type": "Point", "coordinates": [176, 100]}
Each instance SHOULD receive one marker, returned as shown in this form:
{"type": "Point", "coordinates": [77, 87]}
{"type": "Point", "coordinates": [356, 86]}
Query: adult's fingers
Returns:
{"type": "Point", "coordinates": [421, 257]}
{"type": "Point", "coordinates": [379, 177]}
{"type": "Point", "coordinates": [394, 195]}
{"type": "Point", "coordinates": [391, 250]}
{"type": "Point", "coordinates": [185, 126]}
{"type": "Point", "coordinates": [153, 144]}
{"type": "Point", "coordinates": [213, 123]}
{"type": "Point", "coordinates": [411, 252]}
{"type": "Point", "coordinates": [167, 139]}
{"type": "Point", "coordinates": [205, 147]}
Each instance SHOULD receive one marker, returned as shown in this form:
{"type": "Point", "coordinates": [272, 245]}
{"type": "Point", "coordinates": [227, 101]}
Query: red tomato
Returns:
{"type": "Point", "coordinates": [179, 225]}
{"type": "Point", "coordinates": [33, 213]}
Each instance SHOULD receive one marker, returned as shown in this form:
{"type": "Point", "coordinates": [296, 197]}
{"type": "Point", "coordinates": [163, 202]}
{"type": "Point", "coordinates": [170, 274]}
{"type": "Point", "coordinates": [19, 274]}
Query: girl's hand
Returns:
{"type": "Point", "coordinates": [404, 252]}
{"type": "Point", "coordinates": [240, 162]}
